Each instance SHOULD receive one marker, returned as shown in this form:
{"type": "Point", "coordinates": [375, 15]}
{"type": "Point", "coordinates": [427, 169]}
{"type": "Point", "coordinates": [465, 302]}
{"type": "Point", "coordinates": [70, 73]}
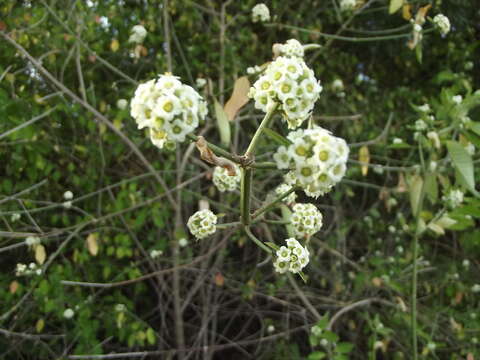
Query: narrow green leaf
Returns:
{"type": "Point", "coordinates": [223, 124]}
{"type": "Point", "coordinates": [281, 140]}
{"type": "Point", "coordinates": [286, 215]}
{"type": "Point", "coordinates": [463, 163]}
{"type": "Point", "coordinates": [431, 187]}
{"type": "Point", "coordinates": [415, 193]}
{"type": "Point", "coordinates": [151, 336]}
{"type": "Point", "coordinates": [395, 5]}
{"type": "Point", "coordinates": [272, 245]}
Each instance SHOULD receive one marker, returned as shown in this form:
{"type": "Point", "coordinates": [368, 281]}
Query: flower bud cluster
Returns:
{"type": "Point", "coordinates": [293, 257]}
{"type": "Point", "coordinates": [202, 223]}
{"type": "Point", "coordinates": [223, 181]}
{"type": "Point", "coordinates": [454, 198]}
{"type": "Point", "coordinates": [289, 82]}
{"type": "Point", "coordinates": [347, 5]}
{"type": "Point", "coordinates": [318, 160]}
{"type": "Point", "coordinates": [443, 23]}
{"type": "Point", "coordinates": [282, 189]}
{"type": "Point", "coordinates": [306, 220]}
{"type": "Point", "coordinates": [292, 48]}
{"type": "Point", "coordinates": [260, 13]}
{"type": "Point", "coordinates": [168, 108]}
{"type": "Point", "coordinates": [31, 269]}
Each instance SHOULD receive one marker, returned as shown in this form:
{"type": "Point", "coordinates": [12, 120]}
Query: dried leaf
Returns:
{"type": "Point", "coordinates": [40, 254]}
{"type": "Point", "coordinates": [207, 155]}
{"type": "Point", "coordinates": [364, 158]}
{"type": "Point", "coordinates": [114, 45]}
{"type": "Point", "coordinates": [470, 356]}
{"type": "Point", "coordinates": [239, 97]}
{"type": "Point", "coordinates": [13, 287]}
{"type": "Point", "coordinates": [402, 185]}
{"type": "Point", "coordinates": [92, 244]}
{"type": "Point", "coordinates": [421, 13]}
{"type": "Point", "coordinates": [376, 281]}
{"type": "Point", "coordinates": [407, 12]}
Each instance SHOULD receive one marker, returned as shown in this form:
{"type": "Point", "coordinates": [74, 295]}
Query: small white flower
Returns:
{"type": "Point", "coordinates": [260, 13]}
{"type": "Point", "coordinates": [32, 240]}
{"type": "Point", "coordinates": [424, 108]}
{"type": "Point", "coordinates": [347, 5]}
{"type": "Point", "coordinates": [392, 229]}
{"type": "Point", "coordinates": [443, 23]}
{"type": "Point", "coordinates": [454, 198]}
{"type": "Point", "coordinates": [155, 253]}
{"type": "Point", "coordinates": [183, 242]}
{"type": "Point", "coordinates": [417, 27]}
{"type": "Point", "coordinates": [337, 85]}
{"type": "Point", "coordinates": [434, 138]}
{"type": "Point", "coordinates": [270, 329]}
{"type": "Point", "coordinates": [201, 82]}
{"type": "Point", "coordinates": [294, 257]}
{"type": "Point", "coordinates": [470, 148]}
{"type": "Point", "coordinates": [122, 104]}
{"type": "Point", "coordinates": [67, 204]}
{"type": "Point", "coordinates": [324, 342]}
{"type": "Point", "coordinates": [420, 125]}
{"type": "Point", "coordinates": [120, 308]}
{"type": "Point", "coordinates": [457, 99]}
{"type": "Point", "coordinates": [316, 330]}
{"type": "Point", "coordinates": [202, 223]}
{"type": "Point", "coordinates": [138, 34]}
{"type": "Point", "coordinates": [397, 141]}
{"type": "Point", "coordinates": [20, 269]}
{"type": "Point", "coordinates": [476, 288]}
{"type": "Point", "coordinates": [433, 166]}
{"type": "Point", "coordinates": [466, 263]}
{"type": "Point", "coordinates": [68, 313]}
{"type": "Point", "coordinates": [15, 217]}
{"type": "Point", "coordinates": [68, 195]}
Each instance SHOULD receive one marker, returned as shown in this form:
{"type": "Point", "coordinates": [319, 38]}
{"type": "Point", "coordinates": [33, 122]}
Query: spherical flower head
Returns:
{"type": "Point", "coordinates": [137, 34]}
{"type": "Point", "coordinates": [68, 195]}
{"type": "Point", "coordinates": [347, 5]}
{"type": "Point", "coordinates": [155, 253]}
{"type": "Point", "coordinates": [225, 182]}
{"type": "Point", "coordinates": [292, 48]}
{"type": "Point", "coordinates": [288, 82]}
{"type": "Point", "coordinates": [293, 257]}
{"type": "Point", "coordinates": [420, 125]}
{"type": "Point", "coordinates": [306, 220]}
{"type": "Point", "coordinates": [282, 189]}
{"type": "Point", "coordinates": [202, 223]}
{"type": "Point", "coordinates": [200, 82]}
{"type": "Point", "coordinates": [443, 23]}
{"type": "Point", "coordinates": [169, 109]}
{"type": "Point", "coordinates": [68, 313]}
{"type": "Point", "coordinates": [457, 99]}
{"type": "Point", "coordinates": [183, 242]}
{"type": "Point", "coordinates": [424, 108]}
{"type": "Point", "coordinates": [318, 160]}
{"type": "Point", "coordinates": [260, 13]}
{"type": "Point", "coordinates": [32, 240]}
{"type": "Point", "coordinates": [337, 85]}
{"type": "Point", "coordinates": [122, 104]}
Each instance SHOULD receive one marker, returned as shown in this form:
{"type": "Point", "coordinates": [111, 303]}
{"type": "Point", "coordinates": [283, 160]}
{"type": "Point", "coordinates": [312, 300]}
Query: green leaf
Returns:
{"type": "Point", "coordinates": [286, 216]}
{"type": "Point", "coordinates": [463, 163]}
{"type": "Point", "coordinates": [317, 355]}
{"type": "Point", "coordinates": [302, 276]}
{"type": "Point", "coordinates": [279, 139]}
{"type": "Point", "coordinates": [431, 187]}
{"type": "Point", "coordinates": [415, 193]}
{"type": "Point", "coordinates": [475, 127]}
{"type": "Point", "coordinates": [395, 5]}
{"type": "Point", "coordinates": [223, 124]}
{"type": "Point", "coordinates": [344, 348]}
{"type": "Point", "coordinates": [151, 336]}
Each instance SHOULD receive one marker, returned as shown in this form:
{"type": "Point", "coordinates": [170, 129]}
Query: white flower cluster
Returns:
{"type": "Point", "coordinates": [15, 217]}
{"type": "Point", "coordinates": [223, 181]}
{"type": "Point", "coordinates": [137, 34]}
{"type": "Point", "coordinates": [289, 82]}
{"type": "Point", "coordinates": [318, 160]}
{"type": "Point", "coordinates": [31, 269]}
{"type": "Point", "coordinates": [454, 198]}
{"type": "Point", "coordinates": [155, 253]}
{"type": "Point", "coordinates": [292, 48]}
{"type": "Point", "coordinates": [306, 220]}
{"type": "Point", "coordinates": [252, 70]}
{"type": "Point", "coordinates": [260, 12]}
{"type": "Point", "coordinates": [293, 257]}
{"type": "Point", "coordinates": [202, 223]}
{"type": "Point", "coordinates": [282, 189]}
{"type": "Point", "coordinates": [122, 104]}
{"type": "Point", "coordinates": [168, 108]}
{"type": "Point", "coordinates": [68, 313]}
{"type": "Point", "coordinates": [347, 5]}
{"type": "Point", "coordinates": [443, 23]}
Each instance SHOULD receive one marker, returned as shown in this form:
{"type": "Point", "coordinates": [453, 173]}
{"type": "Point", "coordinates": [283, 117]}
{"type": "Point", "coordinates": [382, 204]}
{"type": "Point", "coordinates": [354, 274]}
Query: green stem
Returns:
{"type": "Point", "coordinates": [264, 165]}
{"type": "Point", "coordinates": [227, 225]}
{"type": "Point", "coordinates": [245, 192]}
{"type": "Point", "coordinates": [256, 137]}
{"type": "Point", "coordinates": [257, 241]}
{"type": "Point", "coordinates": [272, 204]}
